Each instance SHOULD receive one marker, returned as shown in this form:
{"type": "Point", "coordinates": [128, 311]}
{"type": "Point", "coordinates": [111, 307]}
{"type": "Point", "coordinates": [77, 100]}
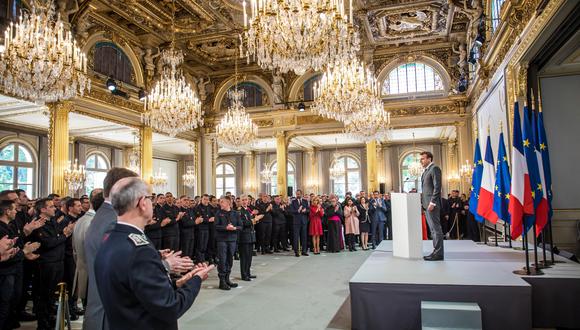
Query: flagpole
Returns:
{"type": "Point", "coordinates": [509, 234]}
{"type": "Point", "coordinates": [526, 270]}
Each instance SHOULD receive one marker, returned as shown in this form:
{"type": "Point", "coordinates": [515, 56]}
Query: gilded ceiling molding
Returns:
{"type": "Point", "coordinates": [101, 36]}
{"type": "Point", "coordinates": [388, 66]}
{"type": "Point", "coordinates": [226, 84]}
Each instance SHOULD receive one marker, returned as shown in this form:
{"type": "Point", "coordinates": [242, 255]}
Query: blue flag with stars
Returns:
{"type": "Point", "coordinates": [543, 144]}
{"type": "Point", "coordinates": [476, 182]}
{"type": "Point", "coordinates": [532, 161]}
{"type": "Point", "coordinates": [502, 183]}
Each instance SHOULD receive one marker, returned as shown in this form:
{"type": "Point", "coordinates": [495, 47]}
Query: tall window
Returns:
{"type": "Point", "coordinates": [17, 168]}
{"type": "Point", "coordinates": [290, 171]}
{"type": "Point", "coordinates": [308, 93]}
{"type": "Point", "coordinates": [409, 182]}
{"type": "Point", "coordinates": [110, 60]}
{"type": "Point", "coordinates": [495, 13]}
{"type": "Point", "coordinates": [225, 179]}
{"type": "Point", "coordinates": [412, 78]}
{"type": "Point", "coordinates": [96, 168]}
{"type": "Point", "coordinates": [254, 95]}
{"type": "Point", "coordinates": [350, 181]}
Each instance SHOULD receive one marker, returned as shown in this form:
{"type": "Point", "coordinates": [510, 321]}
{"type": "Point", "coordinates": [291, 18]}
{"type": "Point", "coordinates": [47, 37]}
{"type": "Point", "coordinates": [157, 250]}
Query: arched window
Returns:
{"type": "Point", "coordinates": [351, 180]}
{"type": "Point", "coordinates": [225, 179]}
{"type": "Point", "coordinates": [291, 177]}
{"type": "Point", "coordinates": [412, 78]}
{"type": "Point", "coordinates": [255, 95]}
{"type": "Point", "coordinates": [96, 168]}
{"type": "Point", "coordinates": [495, 13]}
{"type": "Point", "coordinates": [17, 168]}
{"type": "Point", "coordinates": [308, 92]}
{"type": "Point", "coordinates": [110, 60]}
{"type": "Point", "coordinates": [408, 181]}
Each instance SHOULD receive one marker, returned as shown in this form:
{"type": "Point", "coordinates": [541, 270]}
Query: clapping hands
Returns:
{"type": "Point", "coordinates": [7, 248]}
{"type": "Point", "coordinates": [33, 225]}
{"type": "Point", "coordinates": [29, 249]}
{"type": "Point", "coordinates": [176, 263]}
{"type": "Point", "coordinates": [202, 270]}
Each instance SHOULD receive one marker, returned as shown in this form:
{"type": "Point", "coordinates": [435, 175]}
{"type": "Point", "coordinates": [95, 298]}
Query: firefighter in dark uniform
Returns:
{"type": "Point", "coordinates": [247, 238]}
{"type": "Point", "coordinates": [204, 216]}
{"type": "Point", "coordinates": [51, 261]}
{"type": "Point", "coordinates": [73, 213]}
{"type": "Point", "coordinates": [227, 225]}
{"type": "Point", "coordinates": [212, 245]}
{"type": "Point", "coordinates": [169, 226]}
{"type": "Point", "coordinates": [186, 228]}
{"type": "Point", "coordinates": [134, 285]}
{"type": "Point", "coordinates": [153, 229]}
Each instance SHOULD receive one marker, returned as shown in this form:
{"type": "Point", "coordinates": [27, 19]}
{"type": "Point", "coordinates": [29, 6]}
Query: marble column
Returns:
{"type": "Point", "coordinates": [282, 163]}
{"type": "Point", "coordinates": [59, 145]}
{"type": "Point", "coordinates": [146, 146]}
{"type": "Point", "coordinates": [372, 174]}
{"type": "Point", "coordinates": [207, 161]}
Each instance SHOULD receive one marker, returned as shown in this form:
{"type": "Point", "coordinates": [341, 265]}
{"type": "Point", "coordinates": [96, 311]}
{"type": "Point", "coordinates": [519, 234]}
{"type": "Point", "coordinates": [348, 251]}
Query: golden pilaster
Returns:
{"type": "Point", "coordinates": [59, 144]}
{"type": "Point", "coordinates": [282, 162]}
{"type": "Point", "coordinates": [372, 174]}
{"type": "Point", "coordinates": [146, 146]}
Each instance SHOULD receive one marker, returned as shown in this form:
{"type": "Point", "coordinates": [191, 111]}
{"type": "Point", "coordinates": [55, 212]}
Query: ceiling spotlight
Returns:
{"type": "Point", "coordinates": [111, 84]}
{"type": "Point", "coordinates": [142, 95]}
{"type": "Point", "coordinates": [301, 107]}
{"type": "Point", "coordinates": [479, 40]}
{"type": "Point", "coordinates": [462, 85]}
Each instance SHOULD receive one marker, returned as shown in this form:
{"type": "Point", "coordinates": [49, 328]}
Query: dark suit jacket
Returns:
{"type": "Point", "coordinates": [103, 222]}
{"type": "Point", "coordinates": [431, 186]}
{"type": "Point", "coordinates": [300, 218]}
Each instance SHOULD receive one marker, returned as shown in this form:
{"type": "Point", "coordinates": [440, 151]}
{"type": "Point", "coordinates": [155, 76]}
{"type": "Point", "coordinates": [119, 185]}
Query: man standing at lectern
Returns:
{"type": "Point", "coordinates": [431, 203]}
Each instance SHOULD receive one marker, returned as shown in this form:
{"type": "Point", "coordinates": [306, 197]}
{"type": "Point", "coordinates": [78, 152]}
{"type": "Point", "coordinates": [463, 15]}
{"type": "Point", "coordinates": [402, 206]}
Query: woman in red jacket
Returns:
{"type": "Point", "coordinates": [315, 226]}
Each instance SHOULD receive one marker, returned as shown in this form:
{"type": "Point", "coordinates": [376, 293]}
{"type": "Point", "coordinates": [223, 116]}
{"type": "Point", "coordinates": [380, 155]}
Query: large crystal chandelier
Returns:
{"type": "Point", "coordinates": [369, 124]}
{"type": "Point", "coordinates": [415, 168]}
{"type": "Point", "coordinates": [345, 88]}
{"type": "Point", "coordinates": [135, 155]}
{"type": "Point", "coordinates": [172, 106]}
{"type": "Point", "coordinates": [266, 174]}
{"type": "Point", "coordinates": [337, 170]}
{"type": "Point", "coordinates": [159, 179]}
{"type": "Point", "coordinates": [190, 177]}
{"type": "Point", "coordinates": [236, 130]}
{"type": "Point", "coordinates": [40, 60]}
{"type": "Point", "coordinates": [299, 34]}
{"type": "Point", "coordinates": [74, 176]}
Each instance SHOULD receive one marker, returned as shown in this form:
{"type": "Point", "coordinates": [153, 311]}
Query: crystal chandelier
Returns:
{"type": "Point", "coordinates": [415, 168]}
{"type": "Point", "coordinates": [369, 124]}
{"type": "Point", "coordinates": [299, 34]}
{"type": "Point", "coordinates": [336, 171]}
{"type": "Point", "coordinates": [74, 176]}
{"type": "Point", "coordinates": [40, 60]}
{"type": "Point", "coordinates": [190, 177]}
{"type": "Point", "coordinates": [159, 179]}
{"type": "Point", "coordinates": [266, 174]}
{"type": "Point", "coordinates": [345, 88]}
{"type": "Point", "coordinates": [172, 106]}
{"type": "Point", "coordinates": [466, 171]}
{"type": "Point", "coordinates": [135, 155]}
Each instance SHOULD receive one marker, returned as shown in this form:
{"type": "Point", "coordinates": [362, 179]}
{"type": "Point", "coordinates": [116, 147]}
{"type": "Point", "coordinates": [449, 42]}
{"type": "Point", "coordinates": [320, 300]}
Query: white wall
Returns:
{"type": "Point", "coordinates": [491, 111]}
{"type": "Point", "coordinates": [169, 167]}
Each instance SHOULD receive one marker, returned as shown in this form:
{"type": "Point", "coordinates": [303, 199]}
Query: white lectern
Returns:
{"type": "Point", "coordinates": [407, 235]}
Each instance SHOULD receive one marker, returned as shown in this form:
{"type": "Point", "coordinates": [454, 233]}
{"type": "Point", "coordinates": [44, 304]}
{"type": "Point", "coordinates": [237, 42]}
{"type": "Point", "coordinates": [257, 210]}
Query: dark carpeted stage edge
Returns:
{"type": "Point", "coordinates": [386, 292]}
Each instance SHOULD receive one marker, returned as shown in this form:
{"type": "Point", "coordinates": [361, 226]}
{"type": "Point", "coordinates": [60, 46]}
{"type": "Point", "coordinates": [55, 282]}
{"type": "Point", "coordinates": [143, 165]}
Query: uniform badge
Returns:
{"type": "Point", "coordinates": [138, 239]}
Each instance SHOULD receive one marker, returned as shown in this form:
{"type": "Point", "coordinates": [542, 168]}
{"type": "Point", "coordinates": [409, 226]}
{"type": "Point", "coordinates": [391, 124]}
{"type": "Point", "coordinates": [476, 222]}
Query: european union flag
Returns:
{"type": "Point", "coordinates": [532, 161]}
{"type": "Point", "coordinates": [502, 183]}
{"type": "Point", "coordinates": [543, 146]}
{"type": "Point", "coordinates": [476, 182]}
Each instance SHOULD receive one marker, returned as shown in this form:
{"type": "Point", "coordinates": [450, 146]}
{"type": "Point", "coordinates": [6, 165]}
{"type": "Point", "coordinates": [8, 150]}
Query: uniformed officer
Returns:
{"type": "Point", "coordinates": [247, 238]}
{"type": "Point", "coordinates": [186, 228]}
{"type": "Point", "coordinates": [227, 225]}
{"type": "Point", "coordinates": [133, 283]}
{"type": "Point", "coordinates": [204, 216]}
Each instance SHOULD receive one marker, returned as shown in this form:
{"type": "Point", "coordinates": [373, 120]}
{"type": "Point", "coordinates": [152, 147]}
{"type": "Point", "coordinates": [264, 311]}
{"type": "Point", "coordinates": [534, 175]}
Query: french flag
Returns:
{"type": "Point", "coordinates": [487, 189]}
{"type": "Point", "coordinates": [520, 199]}
{"type": "Point", "coordinates": [542, 207]}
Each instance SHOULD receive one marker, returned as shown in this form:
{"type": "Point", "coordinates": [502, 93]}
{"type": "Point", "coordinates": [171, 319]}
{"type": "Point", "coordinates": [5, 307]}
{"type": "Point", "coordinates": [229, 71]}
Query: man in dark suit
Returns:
{"type": "Point", "coordinates": [265, 229]}
{"type": "Point", "coordinates": [135, 286]}
{"type": "Point", "coordinates": [431, 203]}
{"type": "Point", "coordinates": [300, 210]}
{"type": "Point", "coordinates": [103, 222]}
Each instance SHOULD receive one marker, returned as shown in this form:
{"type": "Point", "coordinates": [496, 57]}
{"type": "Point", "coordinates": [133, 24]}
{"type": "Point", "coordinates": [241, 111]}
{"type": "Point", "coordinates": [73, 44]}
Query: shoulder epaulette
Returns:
{"type": "Point", "coordinates": [138, 239]}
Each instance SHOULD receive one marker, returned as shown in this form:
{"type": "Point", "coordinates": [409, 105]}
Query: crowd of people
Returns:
{"type": "Point", "coordinates": [67, 239]}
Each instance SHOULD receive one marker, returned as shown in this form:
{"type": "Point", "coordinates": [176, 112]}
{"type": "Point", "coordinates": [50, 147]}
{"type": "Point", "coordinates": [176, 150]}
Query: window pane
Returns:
{"type": "Point", "coordinates": [94, 180]}
{"type": "Point", "coordinates": [6, 186]}
{"type": "Point", "coordinates": [7, 175]}
{"type": "Point", "coordinates": [230, 182]}
{"type": "Point", "coordinates": [291, 181]}
{"type": "Point", "coordinates": [229, 169]}
{"type": "Point", "coordinates": [25, 175]}
{"type": "Point", "coordinates": [290, 168]}
{"type": "Point", "coordinates": [339, 189]}
{"type": "Point", "coordinates": [7, 153]}
{"type": "Point", "coordinates": [351, 163]}
{"type": "Point", "coordinates": [412, 78]}
{"type": "Point", "coordinates": [24, 155]}
{"type": "Point", "coordinates": [219, 169]}
{"type": "Point", "coordinates": [102, 163]}
{"type": "Point", "coordinates": [219, 192]}
{"type": "Point", "coordinates": [91, 162]}
{"type": "Point", "coordinates": [274, 167]}
{"type": "Point", "coordinates": [219, 182]}
{"type": "Point", "coordinates": [339, 164]}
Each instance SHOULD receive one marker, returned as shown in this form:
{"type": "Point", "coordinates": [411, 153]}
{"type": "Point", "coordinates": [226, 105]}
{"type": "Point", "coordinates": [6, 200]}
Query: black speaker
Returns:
{"type": "Point", "coordinates": [290, 191]}
{"type": "Point", "coordinates": [382, 188]}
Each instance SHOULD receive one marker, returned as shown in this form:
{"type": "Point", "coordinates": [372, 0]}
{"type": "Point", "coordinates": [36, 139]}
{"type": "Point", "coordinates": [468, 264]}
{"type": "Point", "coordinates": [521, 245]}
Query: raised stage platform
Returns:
{"type": "Point", "coordinates": [386, 292]}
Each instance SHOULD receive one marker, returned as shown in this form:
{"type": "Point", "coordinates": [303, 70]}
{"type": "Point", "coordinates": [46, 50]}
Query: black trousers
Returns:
{"type": "Point", "coordinates": [279, 236]}
{"type": "Point", "coordinates": [28, 275]}
{"type": "Point", "coordinates": [202, 244]}
{"type": "Point", "coordinates": [10, 293]}
{"type": "Point", "coordinates": [49, 275]}
{"type": "Point", "coordinates": [245, 259]}
{"type": "Point", "coordinates": [212, 244]}
{"type": "Point", "coordinates": [300, 236]}
{"type": "Point", "coordinates": [69, 277]}
{"type": "Point", "coordinates": [187, 244]}
{"type": "Point", "coordinates": [170, 242]}
{"type": "Point", "coordinates": [389, 228]}
{"type": "Point", "coordinates": [226, 252]}
{"type": "Point", "coordinates": [265, 235]}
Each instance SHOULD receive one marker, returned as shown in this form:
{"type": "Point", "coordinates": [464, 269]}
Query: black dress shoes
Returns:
{"type": "Point", "coordinates": [247, 279]}
{"type": "Point", "coordinates": [224, 286]}
{"type": "Point", "coordinates": [253, 276]}
{"type": "Point", "coordinates": [433, 258]}
{"type": "Point", "coordinates": [305, 254]}
{"type": "Point", "coordinates": [296, 254]}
